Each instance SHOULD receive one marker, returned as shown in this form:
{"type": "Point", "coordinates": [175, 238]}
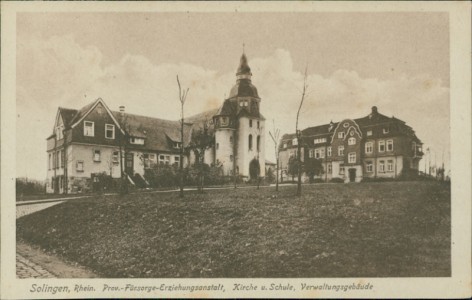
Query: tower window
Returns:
{"type": "Point", "coordinates": [258, 143]}
{"type": "Point", "coordinates": [258, 124]}
{"type": "Point", "coordinates": [217, 146]}
{"type": "Point", "coordinates": [231, 140]}
{"type": "Point", "coordinates": [250, 142]}
{"type": "Point", "coordinates": [250, 123]}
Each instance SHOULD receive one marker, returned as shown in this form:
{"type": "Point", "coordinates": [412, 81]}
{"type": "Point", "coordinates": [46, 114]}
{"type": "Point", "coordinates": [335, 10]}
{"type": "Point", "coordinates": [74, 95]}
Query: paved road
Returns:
{"type": "Point", "coordinates": [25, 268]}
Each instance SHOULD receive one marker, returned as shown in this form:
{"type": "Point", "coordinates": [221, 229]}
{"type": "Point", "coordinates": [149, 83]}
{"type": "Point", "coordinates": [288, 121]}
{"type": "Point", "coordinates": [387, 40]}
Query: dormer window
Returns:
{"type": "Point", "coordinates": [285, 145]}
{"type": "Point", "coordinates": [136, 141]}
{"type": "Point", "coordinates": [295, 142]}
{"type": "Point", "coordinates": [224, 121]}
{"type": "Point", "coordinates": [320, 140]}
{"type": "Point", "coordinates": [351, 141]}
{"type": "Point", "coordinates": [386, 130]}
{"type": "Point", "coordinates": [109, 131]}
{"type": "Point", "coordinates": [341, 135]}
{"type": "Point", "coordinates": [177, 145]}
{"type": "Point", "coordinates": [89, 128]}
{"type": "Point", "coordinates": [369, 133]}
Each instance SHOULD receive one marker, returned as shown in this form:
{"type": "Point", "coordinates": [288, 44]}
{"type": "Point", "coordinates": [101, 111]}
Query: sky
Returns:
{"type": "Point", "coordinates": [398, 62]}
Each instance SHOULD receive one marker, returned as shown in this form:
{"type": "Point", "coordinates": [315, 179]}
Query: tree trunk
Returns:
{"type": "Point", "coordinates": [299, 150]}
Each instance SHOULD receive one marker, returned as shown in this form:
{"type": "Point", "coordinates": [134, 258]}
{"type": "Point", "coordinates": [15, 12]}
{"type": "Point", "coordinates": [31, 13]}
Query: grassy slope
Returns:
{"type": "Point", "coordinates": [335, 230]}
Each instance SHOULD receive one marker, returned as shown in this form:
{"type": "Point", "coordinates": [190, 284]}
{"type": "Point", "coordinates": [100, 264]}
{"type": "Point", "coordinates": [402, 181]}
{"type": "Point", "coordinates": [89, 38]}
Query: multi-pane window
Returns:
{"type": "Point", "coordinates": [109, 131]}
{"type": "Point", "coordinates": [341, 169]}
{"type": "Point", "coordinates": [164, 159]}
{"type": "Point", "coordinates": [320, 140]}
{"type": "Point", "coordinates": [320, 153]}
{"type": "Point", "coordinates": [89, 129]}
{"type": "Point", "coordinates": [79, 166]}
{"type": "Point", "coordinates": [390, 165]}
{"type": "Point", "coordinates": [115, 157]}
{"type": "Point", "coordinates": [351, 141]}
{"type": "Point", "coordinates": [369, 147]}
{"type": "Point", "coordinates": [329, 151]}
{"type": "Point", "coordinates": [177, 161]}
{"type": "Point", "coordinates": [61, 158]}
{"type": "Point", "coordinates": [352, 157]}
{"type": "Point", "coordinates": [58, 157]}
{"type": "Point", "coordinates": [381, 146]}
{"type": "Point", "coordinates": [341, 135]}
{"type": "Point", "coordinates": [382, 166]}
{"type": "Point", "coordinates": [390, 145]}
{"type": "Point", "coordinates": [96, 155]}
{"type": "Point", "coordinates": [310, 153]}
{"type": "Point", "coordinates": [138, 141]}
{"type": "Point", "coordinates": [59, 132]}
{"type": "Point", "coordinates": [224, 121]}
{"type": "Point", "coordinates": [369, 166]}
{"type": "Point", "coordinates": [147, 164]}
{"type": "Point", "coordinates": [340, 150]}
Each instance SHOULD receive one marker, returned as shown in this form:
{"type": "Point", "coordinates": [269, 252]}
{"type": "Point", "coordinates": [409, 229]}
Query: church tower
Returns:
{"type": "Point", "coordinates": [240, 129]}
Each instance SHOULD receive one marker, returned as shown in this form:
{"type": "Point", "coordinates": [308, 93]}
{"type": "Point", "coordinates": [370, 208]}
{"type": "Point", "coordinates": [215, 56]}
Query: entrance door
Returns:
{"type": "Point", "coordinates": [352, 175]}
{"type": "Point", "coordinates": [129, 164]}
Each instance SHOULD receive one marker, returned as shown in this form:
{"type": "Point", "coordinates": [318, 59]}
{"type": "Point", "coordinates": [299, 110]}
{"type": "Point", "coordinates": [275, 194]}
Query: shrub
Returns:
{"type": "Point", "coordinates": [25, 186]}
{"type": "Point", "coordinates": [337, 180]}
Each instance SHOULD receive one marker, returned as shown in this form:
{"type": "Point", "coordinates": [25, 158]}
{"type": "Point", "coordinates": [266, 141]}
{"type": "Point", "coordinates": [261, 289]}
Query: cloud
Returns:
{"type": "Point", "coordinates": [60, 72]}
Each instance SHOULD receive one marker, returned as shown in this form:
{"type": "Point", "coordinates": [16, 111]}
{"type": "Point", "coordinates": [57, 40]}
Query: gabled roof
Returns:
{"type": "Point", "coordinates": [156, 132]}
{"type": "Point", "coordinates": [67, 115]}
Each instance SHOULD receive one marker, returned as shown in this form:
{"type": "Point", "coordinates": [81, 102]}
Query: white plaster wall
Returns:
{"type": "Point", "coordinates": [225, 149]}
{"type": "Point", "coordinates": [85, 153]}
{"type": "Point", "coordinates": [244, 154]}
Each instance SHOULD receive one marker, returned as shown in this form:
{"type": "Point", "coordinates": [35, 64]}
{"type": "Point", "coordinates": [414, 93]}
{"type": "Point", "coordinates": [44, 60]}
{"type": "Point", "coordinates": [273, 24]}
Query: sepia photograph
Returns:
{"type": "Point", "coordinates": [232, 152]}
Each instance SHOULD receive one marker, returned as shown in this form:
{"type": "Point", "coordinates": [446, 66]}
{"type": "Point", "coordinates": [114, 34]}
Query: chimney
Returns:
{"type": "Point", "coordinates": [122, 110]}
{"type": "Point", "coordinates": [374, 110]}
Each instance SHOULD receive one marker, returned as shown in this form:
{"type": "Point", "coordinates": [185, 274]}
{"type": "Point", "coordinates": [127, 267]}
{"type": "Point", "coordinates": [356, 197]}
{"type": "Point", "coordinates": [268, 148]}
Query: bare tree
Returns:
{"type": "Point", "coordinates": [182, 97]}
{"type": "Point", "coordinates": [275, 139]}
{"type": "Point", "coordinates": [299, 135]}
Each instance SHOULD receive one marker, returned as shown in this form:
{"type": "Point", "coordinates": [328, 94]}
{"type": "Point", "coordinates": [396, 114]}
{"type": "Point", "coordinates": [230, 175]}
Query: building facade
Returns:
{"type": "Point", "coordinates": [375, 146]}
{"type": "Point", "coordinates": [94, 140]}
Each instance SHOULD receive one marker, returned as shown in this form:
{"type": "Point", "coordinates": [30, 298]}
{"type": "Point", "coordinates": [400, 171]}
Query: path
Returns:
{"type": "Point", "coordinates": [34, 263]}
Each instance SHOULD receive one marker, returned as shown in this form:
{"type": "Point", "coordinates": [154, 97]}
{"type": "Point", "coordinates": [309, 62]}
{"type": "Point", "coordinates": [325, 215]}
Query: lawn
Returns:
{"type": "Point", "coordinates": [392, 229]}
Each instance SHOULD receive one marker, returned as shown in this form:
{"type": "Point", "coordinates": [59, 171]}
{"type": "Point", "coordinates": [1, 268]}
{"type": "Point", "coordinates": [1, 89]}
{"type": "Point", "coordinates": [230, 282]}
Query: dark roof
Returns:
{"type": "Point", "coordinates": [157, 132]}
{"type": "Point", "coordinates": [243, 66]}
{"type": "Point", "coordinates": [318, 130]}
{"type": "Point", "coordinates": [81, 112]}
{"type": "Point", "coordinates": [243, 88]}
{"type": "Point", "coordinates": [229, 108]}
{"type": "Point", "coordinates": [67, 115]}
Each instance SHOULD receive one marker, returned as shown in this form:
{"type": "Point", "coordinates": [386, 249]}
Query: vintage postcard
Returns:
{"type": "Point", "coordinates": [235, 149]}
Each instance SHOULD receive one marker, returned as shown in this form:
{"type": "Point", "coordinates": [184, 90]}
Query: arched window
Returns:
{"type": "Point", "coordinates": [258, 143]}
{"type": "Point", "coordinates": [250, 142]}
{"type": "Point", "coordinates": [231, 140]}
